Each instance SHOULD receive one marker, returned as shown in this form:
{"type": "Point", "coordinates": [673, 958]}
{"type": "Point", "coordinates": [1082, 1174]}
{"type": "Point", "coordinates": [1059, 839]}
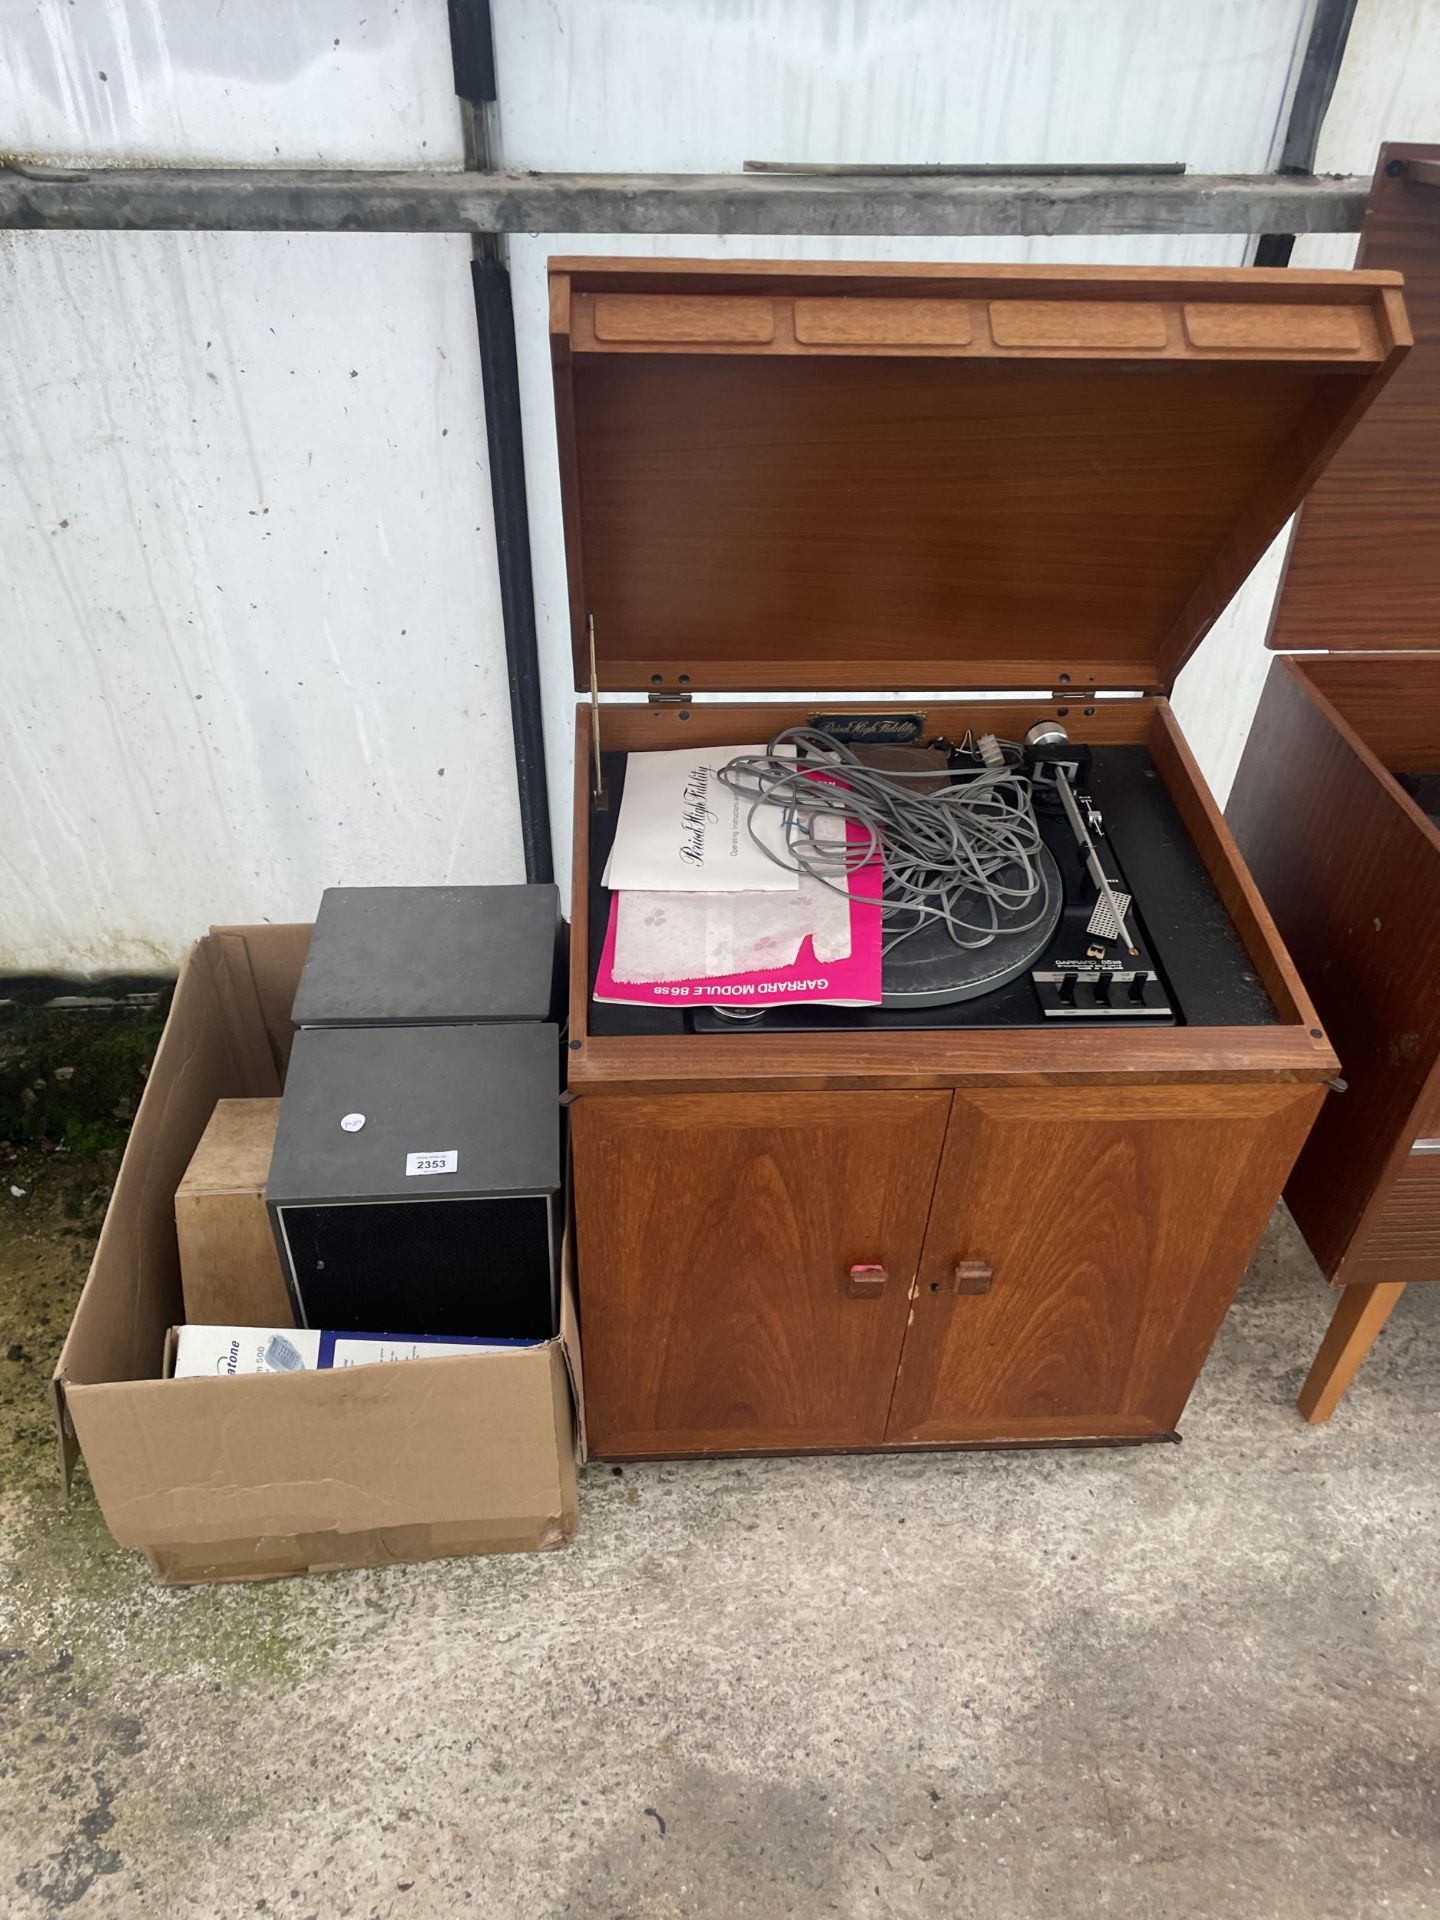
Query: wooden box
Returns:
{"type": "Point", "coordinates": [230, 1274]}
{"type": "Point", "coordinates": [950, 479]}
{"type": "Point", "coordinates": [1348, 859]}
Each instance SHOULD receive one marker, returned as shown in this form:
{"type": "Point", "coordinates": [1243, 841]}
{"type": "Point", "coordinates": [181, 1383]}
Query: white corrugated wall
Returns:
{"type": "Point", "coordinates": [252, 637]}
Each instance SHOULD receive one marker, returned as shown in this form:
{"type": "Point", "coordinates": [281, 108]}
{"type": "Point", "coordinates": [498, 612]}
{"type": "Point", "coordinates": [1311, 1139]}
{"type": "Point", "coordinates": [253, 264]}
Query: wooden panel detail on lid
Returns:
{"type": "Point", "coordinates": [891, 323]}
{"type": "Point", "coordinates": [1078, 323]}
{"type": "Point", "coordinates": [1363, 571]}
{"type": "Point", "coordinates": [657, 318]}
{"type": "Point", "coordinates": [1175, 329]}
{"type": "Point", "coordinates": [1282, 329]}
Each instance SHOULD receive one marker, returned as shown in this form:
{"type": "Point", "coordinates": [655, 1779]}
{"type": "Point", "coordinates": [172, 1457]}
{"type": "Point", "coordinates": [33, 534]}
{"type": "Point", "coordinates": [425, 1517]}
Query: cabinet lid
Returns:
{"type": "Point", "coordinates": [887, 477]}
{"type": "Point", "coordinates": [1363, 570]}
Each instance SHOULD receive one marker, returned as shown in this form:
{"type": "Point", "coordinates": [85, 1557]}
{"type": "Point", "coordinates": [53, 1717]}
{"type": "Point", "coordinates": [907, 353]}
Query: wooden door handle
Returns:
{"type": "Point", "coordinates": [972, 1276]}
{"type": "Point", "coordinates": [865, 1282]}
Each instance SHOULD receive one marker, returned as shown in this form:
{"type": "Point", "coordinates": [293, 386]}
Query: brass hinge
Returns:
{"type": "Point", "coordinates": [667, 699]}
{"type": "Point", "coordinates": [1086, 696]}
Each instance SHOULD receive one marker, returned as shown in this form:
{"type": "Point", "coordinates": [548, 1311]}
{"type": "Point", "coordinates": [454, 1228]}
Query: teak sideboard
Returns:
{"type": "Point", "coordinates": [954, 479]}
{"type": "Point", "coordinates": [1346, 857]}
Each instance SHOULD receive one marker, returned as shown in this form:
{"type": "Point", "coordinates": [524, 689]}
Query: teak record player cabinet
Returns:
{"type": "Point", "coordinates": [874, 478]}
{"type": "Point", "coordinates": [1347, 859]}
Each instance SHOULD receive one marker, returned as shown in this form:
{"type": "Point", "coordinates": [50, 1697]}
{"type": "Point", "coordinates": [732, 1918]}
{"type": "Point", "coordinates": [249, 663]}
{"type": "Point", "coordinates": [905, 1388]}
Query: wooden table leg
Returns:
{"type": "Point", "coordinates": [1358, 1318]}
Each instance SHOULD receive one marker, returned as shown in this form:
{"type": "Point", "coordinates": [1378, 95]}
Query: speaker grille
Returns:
{"type": "Point", "coordinates": [473, 1268]}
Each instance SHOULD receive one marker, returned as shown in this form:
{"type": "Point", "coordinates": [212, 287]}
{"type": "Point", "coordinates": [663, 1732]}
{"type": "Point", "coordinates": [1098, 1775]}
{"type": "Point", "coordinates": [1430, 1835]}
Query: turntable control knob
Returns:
{"type": "Point", "coordinates": [1102, 987]}
{"type": "Point", "coordinates": [1068, 983]}
{"type": "Point", "coordinates": [1137, 988]}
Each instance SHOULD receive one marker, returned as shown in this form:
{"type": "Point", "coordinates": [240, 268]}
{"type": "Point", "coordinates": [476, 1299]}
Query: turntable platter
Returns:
{"type": "Point", "coordinates": [928, 969]}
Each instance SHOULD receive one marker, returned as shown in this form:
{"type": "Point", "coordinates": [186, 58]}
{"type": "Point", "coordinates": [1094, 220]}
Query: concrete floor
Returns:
{"type": "Point", "coordinates": [1199, 1680]}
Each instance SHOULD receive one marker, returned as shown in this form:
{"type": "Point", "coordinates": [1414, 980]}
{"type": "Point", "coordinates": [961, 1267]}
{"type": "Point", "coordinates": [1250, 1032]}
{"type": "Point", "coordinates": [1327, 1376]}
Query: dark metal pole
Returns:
{"type": "Point", "coordinates": [495, 318]}
{"type": "Point", "coordinates": [474, 62]}
{"type": "Point", "coordinates": [1319, 70]}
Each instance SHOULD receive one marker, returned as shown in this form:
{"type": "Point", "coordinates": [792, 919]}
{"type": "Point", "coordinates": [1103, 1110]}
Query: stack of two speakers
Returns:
{"type": "Point", "coordinates": [416, 1177]}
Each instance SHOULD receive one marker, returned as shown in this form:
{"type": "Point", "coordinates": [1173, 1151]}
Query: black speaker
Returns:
{"type": "Point", "coordinates": [416, 1177]}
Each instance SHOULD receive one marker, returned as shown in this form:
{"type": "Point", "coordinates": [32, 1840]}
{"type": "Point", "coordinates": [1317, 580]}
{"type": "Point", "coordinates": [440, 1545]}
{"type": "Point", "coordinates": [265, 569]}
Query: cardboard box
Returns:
{"type": "Point", "coordinates": [248, 1478]}
{"type": "Point", "coordinates": [230, 1272]}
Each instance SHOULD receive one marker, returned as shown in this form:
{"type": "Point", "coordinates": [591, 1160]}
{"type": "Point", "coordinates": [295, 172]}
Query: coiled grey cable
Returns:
{"type": "Point", "coordinates": [967, 843]}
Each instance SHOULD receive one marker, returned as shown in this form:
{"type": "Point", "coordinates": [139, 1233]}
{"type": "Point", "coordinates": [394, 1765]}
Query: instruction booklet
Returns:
{"type": "Point", "coordinates": [681, 830]}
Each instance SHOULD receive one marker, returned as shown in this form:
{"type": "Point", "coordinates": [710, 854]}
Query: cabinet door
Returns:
{"type": "Point", "coordinates": [1103, 1232]}
{"type": "Point", "coordinates": [716, 1233]}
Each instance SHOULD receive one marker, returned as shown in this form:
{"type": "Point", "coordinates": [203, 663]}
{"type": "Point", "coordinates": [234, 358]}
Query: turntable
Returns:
{"type": "Point", "coordinates": [1013, 1213]}
{"type": "Point", "coordinates": [1074, 967]}
{"type": "Point", "coordinates": [1076, 936]}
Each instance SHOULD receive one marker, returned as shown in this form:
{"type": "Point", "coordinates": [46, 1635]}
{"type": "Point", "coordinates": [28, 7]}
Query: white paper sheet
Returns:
{"type": "Point", "coordinates": [681, 831]}
{"type": "Point", "coordinates": [710, 936]}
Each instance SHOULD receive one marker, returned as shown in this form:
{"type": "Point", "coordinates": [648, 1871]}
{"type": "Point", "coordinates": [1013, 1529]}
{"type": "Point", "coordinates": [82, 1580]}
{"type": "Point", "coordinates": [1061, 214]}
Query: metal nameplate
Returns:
{"type": "Point", "coordinates": [887, 729]}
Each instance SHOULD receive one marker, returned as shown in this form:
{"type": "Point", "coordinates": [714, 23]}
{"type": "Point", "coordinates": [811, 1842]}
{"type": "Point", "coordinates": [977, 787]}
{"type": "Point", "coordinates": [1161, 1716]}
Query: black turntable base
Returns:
{"type": "Point", "coordinates": [928, 969]}
{"type": "Point", "coordinates": [1190, 967]}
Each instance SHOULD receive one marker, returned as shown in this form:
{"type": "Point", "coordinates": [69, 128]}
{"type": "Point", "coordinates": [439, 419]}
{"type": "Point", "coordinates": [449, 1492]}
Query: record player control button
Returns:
{"type": "Point", "coordinates": [1138, 983]}
{"type": "Point", "coordinates": [1102, 987]}
{"type": "Point", "coordinates": [1068, 982]}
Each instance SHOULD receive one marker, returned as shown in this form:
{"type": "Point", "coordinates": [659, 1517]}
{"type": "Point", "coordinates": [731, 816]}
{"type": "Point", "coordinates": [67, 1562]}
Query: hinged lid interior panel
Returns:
{"type": "Point", "coordinates": [878, 477]}
{"type": "Point", "coordinates": [1363, 572]}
